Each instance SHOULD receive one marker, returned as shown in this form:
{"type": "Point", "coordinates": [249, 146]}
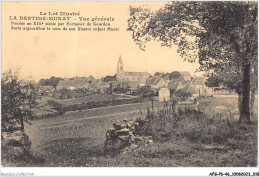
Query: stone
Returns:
{"type": "Point", "coordinates": [124, 138]}
{"type": "Point", "coordinates": [123, 131]}
{"type": "Point", "coordinates": [138, 119]}
{"type": "Point", "coordinates": [18, 150]}
{"type": "Point", "coordinates": [150, 141]}
{"type": "Point", "coordinates": [133, 146]}
{"type": "Point", "coordinates": [128, 125]}
{"type": "Point", "coordinates": [121, 138]}
{"type": "Point", "coordinates": [138, 139]}
{"type": "Point", "coordinates": [117, 126]}
{"type": "Point", "coordinates": [123, 125]}
{"type": "Point", "coordinates": [15, 143]}
{"type": "Point", "coordinates": [111, 130]}
{"type": "Point", "coordinates": [135, 124]}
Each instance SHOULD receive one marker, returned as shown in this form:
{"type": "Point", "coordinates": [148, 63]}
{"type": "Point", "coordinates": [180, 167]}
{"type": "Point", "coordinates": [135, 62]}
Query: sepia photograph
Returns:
{"type": "Point", "coordinates": [130, 84]}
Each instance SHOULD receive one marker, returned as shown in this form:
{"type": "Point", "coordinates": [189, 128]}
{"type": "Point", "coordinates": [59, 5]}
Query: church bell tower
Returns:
{"type": "Point", "coordinates": [120, 69]}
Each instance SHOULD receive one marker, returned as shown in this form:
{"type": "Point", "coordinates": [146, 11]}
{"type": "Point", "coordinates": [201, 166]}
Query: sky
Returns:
{"type": "Point", "coordinates": [42, 54]}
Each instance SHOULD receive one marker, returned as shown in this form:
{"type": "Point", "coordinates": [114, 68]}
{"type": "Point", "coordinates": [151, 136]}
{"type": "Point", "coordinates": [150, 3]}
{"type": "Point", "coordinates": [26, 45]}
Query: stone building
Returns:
{"type": "Point", "coordinates": [122, 75]}
{"type": "Point", "coordinates": [164, 94]}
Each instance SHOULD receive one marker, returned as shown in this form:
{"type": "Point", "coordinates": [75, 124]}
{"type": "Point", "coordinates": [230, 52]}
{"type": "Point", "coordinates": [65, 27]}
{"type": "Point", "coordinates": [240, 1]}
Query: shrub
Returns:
{"type": "Point", "coordinates": [191, 124]}
{"type": "Point", "coordinates": [57, 106]}
{"type": "Point", "coordinates": [183, 95]}
{"type": "Point", "coordinates": [146, 91]}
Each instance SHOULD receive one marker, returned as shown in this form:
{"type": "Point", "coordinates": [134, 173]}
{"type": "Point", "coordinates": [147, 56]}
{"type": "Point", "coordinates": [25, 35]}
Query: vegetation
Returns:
{"type": "Point", "coordinates": [174, 74]}
{"type": "Point", "coordinates": [222, 36]}
{"type": "Point", "coordinates": [17, 100]}
{"type": "Point", "coordinates": [109, 78]}
{"type": "Point", "coordinates": [214, 81]}
{"type": "Point", "coordinates": [80, 143]}
{"type": "Point", "coordinates": [183, 94]}
{"type": "Point", "coordinates": [157, 74]}
{"type": "Point", "coordinates": [121, 88]}
{"type": "Point", "coordinates": [61, 108]}
{"type": "Point", "coordinates": [53, 81]}
{"type": "Point", "coordinates": [63, 93]}
{"type": "Point", "coordinates": [145, 91]}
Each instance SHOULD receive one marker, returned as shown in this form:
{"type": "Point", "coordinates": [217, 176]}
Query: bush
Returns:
{"type": "Point", "coordinates": [57, 106]}
{"type": "Point", "coordinates": [146, 91]}
{"type": "Point", "coordinates": [183, 95]}
{"type": "Point", "coordinates": [62, 94]}
{"type": "Point", "coordinates": [191, 124]}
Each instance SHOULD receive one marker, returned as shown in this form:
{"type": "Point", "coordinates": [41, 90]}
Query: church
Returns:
{"type": "Point", "coordinates": [122, 75]}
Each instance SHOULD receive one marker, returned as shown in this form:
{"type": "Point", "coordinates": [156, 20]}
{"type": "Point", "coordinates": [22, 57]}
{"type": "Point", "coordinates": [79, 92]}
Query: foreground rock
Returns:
{"type": "Point", "coordinates": [16, 139]}
{"type": "Point", "coordinates": [15, 150]}
{"type": "Point", "coordinates": [125, 136]}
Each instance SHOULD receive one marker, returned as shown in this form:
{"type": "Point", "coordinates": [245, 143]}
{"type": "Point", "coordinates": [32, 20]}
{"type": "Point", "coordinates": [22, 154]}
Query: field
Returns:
{"type": "Point", "coordinates": [77, 139]}
{"type": "Point", "coordinates": [87, 99]}
{"type": "Point", "coordinates": [51, 107]}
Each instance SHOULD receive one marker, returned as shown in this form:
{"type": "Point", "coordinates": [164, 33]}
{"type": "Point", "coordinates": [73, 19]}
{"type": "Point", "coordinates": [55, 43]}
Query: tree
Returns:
{"type": "Point", "coordinates": [231, 78]}
{"type": "Point", "coordinates": [53, 81]}
{"type": "Point", "coordinates": [109, 78]}
{"type": "Point", "coordinates": [145, 91]}
{"type": "Point", "coordinates": [157, 74]}
{"type": "Point", "coordinates": [214, 81]}
{"type": "Point", "coordinates": [43, 82]}
{"type": "Point", "coordinates": [219, 35]}
{"type": "Point", "coordinates": [18, 98]}
{"type": "Point", "coordinates": [174, 74]}
{"type": "Point", "coordinates": [183, 94]}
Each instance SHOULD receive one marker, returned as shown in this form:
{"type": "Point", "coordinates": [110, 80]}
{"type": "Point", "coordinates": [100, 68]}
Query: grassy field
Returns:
{"type": "Point", "coordinates": [49, 107]}
{"type": "Point", "coordinates": [87, 99]}
{"type": "Point", "coordinates": [62, 142]}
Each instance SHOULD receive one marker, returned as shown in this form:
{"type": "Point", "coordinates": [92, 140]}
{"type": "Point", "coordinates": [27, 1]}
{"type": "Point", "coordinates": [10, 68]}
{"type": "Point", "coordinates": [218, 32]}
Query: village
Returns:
{"type": "Point", "coordinates": [181, 83]}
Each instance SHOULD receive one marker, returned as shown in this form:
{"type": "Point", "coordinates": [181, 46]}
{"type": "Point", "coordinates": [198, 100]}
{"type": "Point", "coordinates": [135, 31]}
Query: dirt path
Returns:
{"type": "Point", "coordinates": [48, 125]}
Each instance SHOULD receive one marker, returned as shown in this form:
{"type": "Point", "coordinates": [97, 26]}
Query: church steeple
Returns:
{"type": "Point", "coordinates": [120, 68]}
{"type": "Point", "coordinates": [120, 60]}
{"type": "Point", "coordinates": [120, 65]}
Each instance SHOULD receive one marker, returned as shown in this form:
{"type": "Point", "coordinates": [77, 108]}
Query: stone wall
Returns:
{"type": "Point", "coordinates": [124, 136]}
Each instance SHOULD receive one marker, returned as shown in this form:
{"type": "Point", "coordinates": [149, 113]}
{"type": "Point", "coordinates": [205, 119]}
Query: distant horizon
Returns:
{"type": "Point", "coordinates": [197, 74]}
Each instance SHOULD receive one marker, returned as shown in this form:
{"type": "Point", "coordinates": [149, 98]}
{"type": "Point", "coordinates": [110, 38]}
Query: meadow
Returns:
{"type": "Point", "coordinates": [195, 140]}
{"type": "Point", "coordinates": [49, 107]}
{"type": "Point", "coordinates": [86, 99]}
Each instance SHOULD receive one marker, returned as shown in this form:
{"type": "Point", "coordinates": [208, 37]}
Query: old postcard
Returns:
{"type": "Point", "coordinates": [129, 84]}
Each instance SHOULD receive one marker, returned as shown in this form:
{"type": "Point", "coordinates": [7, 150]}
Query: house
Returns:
{"type": "Point", "coordinates": [91, 78]}
{"type": "Point", "coordinates": [223, 91]}
{"type": "Point", "coordinates": [185, 75]}
{"type": "Point", "coordinates": [156, 82]}
{"type": "Point", "coordinates": [45, 90]}
{"type": "Point", "coordinates": [104, 87]}
{"type": "Point", "coordinates": [176, 84]}
{"type": "Point", "coordinates": [166, 78]}
{"type": "Point", "coordinates": [63, 84]}
{"type": "Point", "coordinates": [164, 94]}
{"type": "Point", "coordinates": [122, 75]}
{"type": "Point", "coordinates": [133, 85]}
{"type": "Point", "coordinates": [189, 88]}
{"type": "Point", "coordinates": [202, 89]}
{"type": "Point", "coordinates": [85, 85]}
{"type": "Point", "coordinates": [73, 83]}
{"type": "Point", "coordinates": [93, 87]}
{"type": "Point", "coordinates": [142, 81]}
